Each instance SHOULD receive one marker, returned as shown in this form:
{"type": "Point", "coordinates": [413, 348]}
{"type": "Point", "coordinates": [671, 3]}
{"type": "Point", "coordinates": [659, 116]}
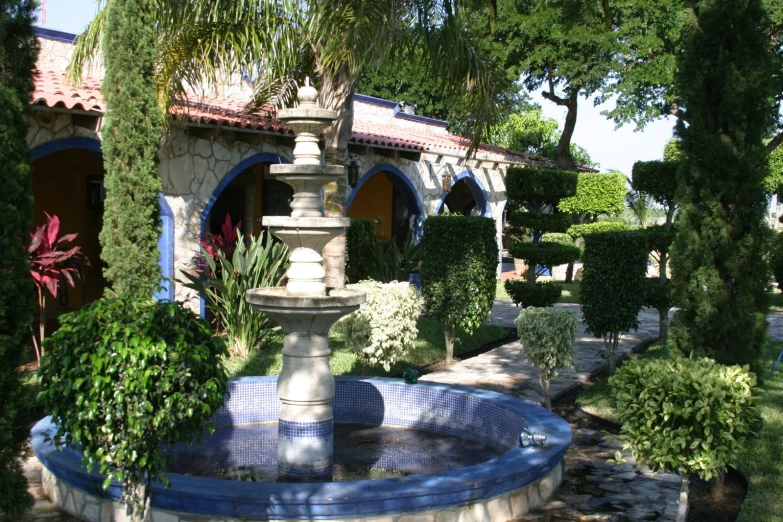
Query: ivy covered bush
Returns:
{"type": "Point", "coordinates": [547, 336]}
{"type": "Point", "coordinates": [613, 285]}
{"type": "Point", "coordinates": [384, 328]}
{"type": "Point", "coordinates": [124, 374]}
{"type": "Point", "coordinates": [533, 197]}
{"type": "Point", "coordinates": [359, 238]}
{"type": "Point", "coordinates": [685, 415]}
{"type": "Point", "coordinates": [459, 259]}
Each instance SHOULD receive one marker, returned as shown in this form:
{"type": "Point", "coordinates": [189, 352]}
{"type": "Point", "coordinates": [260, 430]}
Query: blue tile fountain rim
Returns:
{"type": "Point", "coordinates": [514, 469]}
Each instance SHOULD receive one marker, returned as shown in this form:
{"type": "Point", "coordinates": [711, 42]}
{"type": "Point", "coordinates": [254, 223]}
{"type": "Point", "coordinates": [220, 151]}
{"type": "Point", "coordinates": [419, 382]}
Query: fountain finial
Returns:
{"type": "Point", "coordinates": [307, 94]}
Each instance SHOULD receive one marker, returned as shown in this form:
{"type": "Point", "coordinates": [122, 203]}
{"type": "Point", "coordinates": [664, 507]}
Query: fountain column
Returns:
{"type": "Point", "coordinates": [304, 309]}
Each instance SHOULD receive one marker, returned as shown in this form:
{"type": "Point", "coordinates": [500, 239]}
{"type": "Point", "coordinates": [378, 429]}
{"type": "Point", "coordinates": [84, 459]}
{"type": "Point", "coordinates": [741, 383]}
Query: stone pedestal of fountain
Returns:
{"type": "Point", "coordinates": [304, 309]}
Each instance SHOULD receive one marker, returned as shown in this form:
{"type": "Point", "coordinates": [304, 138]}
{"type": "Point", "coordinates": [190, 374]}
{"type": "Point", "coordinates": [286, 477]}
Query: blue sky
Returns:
{"type": "Point", "coordinates": [613, 148]}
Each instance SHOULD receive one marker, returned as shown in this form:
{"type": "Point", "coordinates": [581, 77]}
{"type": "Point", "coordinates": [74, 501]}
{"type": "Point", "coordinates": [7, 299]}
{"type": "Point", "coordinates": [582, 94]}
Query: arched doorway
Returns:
{"type": "Point", "coordinates": [247, 194]}
{"type": "Point", "coordinates": [384, 194]}
{"type": "Point", "coordinates": [67, 179]}
{"type": "Point", "coordinates": [467, 197]}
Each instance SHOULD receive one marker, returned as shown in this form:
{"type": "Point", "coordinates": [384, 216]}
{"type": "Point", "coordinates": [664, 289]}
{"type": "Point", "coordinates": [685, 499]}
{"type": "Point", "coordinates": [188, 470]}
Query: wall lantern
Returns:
{"type": "Point", "coordinates": [353, 172]}
{"type": "Point", "coordinates": [445, 182]}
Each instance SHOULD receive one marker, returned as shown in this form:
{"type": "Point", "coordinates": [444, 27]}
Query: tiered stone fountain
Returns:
{"type": "Point", "coordinates": [305, 309]}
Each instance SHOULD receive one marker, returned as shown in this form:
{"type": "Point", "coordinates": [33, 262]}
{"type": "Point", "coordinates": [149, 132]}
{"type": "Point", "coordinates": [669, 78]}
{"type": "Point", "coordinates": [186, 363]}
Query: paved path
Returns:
{"type": "Point", "coordinates": [505, 370]}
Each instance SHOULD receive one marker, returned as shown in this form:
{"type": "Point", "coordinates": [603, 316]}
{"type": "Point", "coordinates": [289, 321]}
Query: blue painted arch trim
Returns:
{"type": "Point", "coordinates": [238, 169]}
{"type": "Point", "coordinates": [476, 188]}
{"type": "Point", "coordinates": [166, 240]}
{"type": "Point", "coordinates": [166, 247]}
{"type": "Point", "coordinates": [50, 147]}
{"type": "Point", "coordinates": [402, 183]}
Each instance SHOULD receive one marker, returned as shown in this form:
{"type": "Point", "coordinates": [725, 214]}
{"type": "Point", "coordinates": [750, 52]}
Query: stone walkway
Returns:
{"type": "Point", "coordinates": [504, 370]}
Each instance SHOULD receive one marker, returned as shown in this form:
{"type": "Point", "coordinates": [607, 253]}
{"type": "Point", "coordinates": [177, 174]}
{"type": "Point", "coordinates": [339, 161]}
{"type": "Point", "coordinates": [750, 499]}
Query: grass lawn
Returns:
{"type": "Point", "coordinates": [429, 347]}
{"type": "Point", "coordinates": [762, 460]}
{"type": "Point", "coordinates": [570, 292]}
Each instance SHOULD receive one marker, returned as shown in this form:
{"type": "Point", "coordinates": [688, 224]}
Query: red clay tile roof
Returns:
{"type": "Point", "coordinates": [51, 90]}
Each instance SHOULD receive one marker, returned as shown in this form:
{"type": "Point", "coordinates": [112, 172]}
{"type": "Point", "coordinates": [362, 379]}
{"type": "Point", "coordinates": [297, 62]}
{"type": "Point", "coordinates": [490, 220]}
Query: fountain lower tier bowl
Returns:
{"type": "Point", "coordinates": [502, 488]}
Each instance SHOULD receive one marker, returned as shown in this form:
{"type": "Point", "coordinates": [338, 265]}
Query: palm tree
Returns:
{"type": "Point", "coordinates": [278, 43]}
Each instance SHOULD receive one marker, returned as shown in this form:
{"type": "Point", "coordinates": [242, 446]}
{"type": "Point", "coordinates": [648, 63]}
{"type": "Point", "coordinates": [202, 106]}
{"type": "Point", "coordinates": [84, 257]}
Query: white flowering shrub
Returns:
{"type": "Point", "coordinates": [384, 328]}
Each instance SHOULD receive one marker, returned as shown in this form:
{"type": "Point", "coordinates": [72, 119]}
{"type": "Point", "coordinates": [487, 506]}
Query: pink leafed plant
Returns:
{"type": "Point", "coordinates": [225, 241]}
{"type": "Point", "coordinates": [52, 261]}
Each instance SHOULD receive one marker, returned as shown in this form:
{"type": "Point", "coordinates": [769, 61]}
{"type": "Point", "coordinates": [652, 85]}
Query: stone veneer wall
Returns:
{"type": "Point", "coordinates": [503, 508]}
{"type": "Point", "coordinates": [191, 168]}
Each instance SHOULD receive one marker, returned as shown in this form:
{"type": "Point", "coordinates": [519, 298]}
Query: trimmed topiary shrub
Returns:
{"type": "Point", "coordinates": [384, 328]}
{"type": "Point", "coordinates": [540, 295]}
{"type": "Point", "coordinates": [123, 375]}
{"type": "Point", "coordinates": [659, 292]}
{"type": "Point", "coordinates": [613, 285]}
{"type": "Point", "coordinates": [533, 194]}
{"type": "Point", "coordinates": [459, 272]}
{"type": "Point", "coordinates": [579, 231]}
{"type": "Point", "coordinates": [18, 52]}
{"type": "Point", "coordinates": [684, 415]}
{"type": "Point", "coordinates": [547, 336]}
{"type": "Point", "coordinates": [658, 179]}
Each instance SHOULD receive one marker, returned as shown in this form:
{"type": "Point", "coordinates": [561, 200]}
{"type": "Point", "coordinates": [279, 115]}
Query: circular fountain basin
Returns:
{"type": "Point", "coordinates": [502, 488]}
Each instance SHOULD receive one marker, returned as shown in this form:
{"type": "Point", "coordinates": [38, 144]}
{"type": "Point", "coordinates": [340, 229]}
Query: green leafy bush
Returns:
{"type": "Point", "coordinates": [541, 294]}
{"type": "Point", "coordinates": [776, 258]}
{"type": "Point", "coordinates": [547, 336]}
{"type": "Point", "coordinates": [596, 193]}
{"type": "Point", "coordinates": [359, 238]}
{"type": "Point", "coordinates": [686, 415]}
{"type": "Point", "coordinates": [548, 254]}
{"type": "Point", "coordinates": [123, 375]}
{"type": "Point", "coordinates": [524, 184]}
{"type": "Point", "coordinates": [613, 285]}
{"type": "Point", "coordinates": [369, 257]}
{"type": "Point", "coordinates": [458, 271]}
{"type": "Point", "coordinates": [580, 230]}
{"type": "Point", "coordinates": [260, 263]}
{"type": "Point", "coordinates": [557, 237]}
{"type": "Point", "coordinates": [657, 179]}
{"type": "Point", "coordinates": [384, 328]}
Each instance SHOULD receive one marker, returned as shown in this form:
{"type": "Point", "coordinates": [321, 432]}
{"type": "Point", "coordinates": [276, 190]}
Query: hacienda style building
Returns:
{"type": "Point", "coordinates": [215, 161]}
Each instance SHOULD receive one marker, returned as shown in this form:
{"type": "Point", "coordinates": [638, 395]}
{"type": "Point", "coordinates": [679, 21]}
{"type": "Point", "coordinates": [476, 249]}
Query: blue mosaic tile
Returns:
{"type": "Point", "coordinates": [306, 430]}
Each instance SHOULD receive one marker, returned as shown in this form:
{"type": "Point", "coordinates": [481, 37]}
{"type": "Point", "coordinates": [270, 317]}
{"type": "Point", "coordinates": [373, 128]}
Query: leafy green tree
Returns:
{"type": "Point", "coordinates": [568, 46]}
{"type": "Point", "coordinates": [719, 273]}
{"type": "Point", "coordinates": [278, 44]}
{"type": "Point", "coordinates": [18, 52]}
{"type": "Point", "coordinates": [529, 131]}
{"type": "Point", "coordinates": [131, 139]}
{"type": "Point", "coordinates": [459, 260]}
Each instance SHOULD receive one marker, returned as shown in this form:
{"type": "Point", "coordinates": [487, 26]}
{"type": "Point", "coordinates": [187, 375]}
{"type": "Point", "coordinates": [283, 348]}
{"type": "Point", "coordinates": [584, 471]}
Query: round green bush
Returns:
{"type": "Point", "coordinates": [542, 294]}
{"type": "Point", "coordinates": [690, 415]}
{"type": "Point", "coordinates": [124, 374]}
{"type": "Point", "coordinates": [546, 253]}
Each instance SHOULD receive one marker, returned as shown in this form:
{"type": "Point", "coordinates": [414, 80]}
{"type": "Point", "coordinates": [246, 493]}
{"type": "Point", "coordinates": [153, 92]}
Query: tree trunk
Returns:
{"type": "Point", "coordinates": [718, 486]}
{"type": "Point", "coordinates": [336, 94]}
{"type": "Point", "coordinates": [39, 347]}
{"type": "Point", "coordinates": [564, 158]}
{"type": "Point", "coordinates": [682, 512]}
{"type": "Point", "coordinates": [449, 335]}
{"type": "Point", "coordinates": [545, 387]}
{"type": "Point", "coordinates": [610, 343]}
{"type": "Point", "coordinates": [663, 325]}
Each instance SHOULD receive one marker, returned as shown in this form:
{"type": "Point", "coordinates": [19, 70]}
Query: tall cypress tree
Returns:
{"type": "Point", "coordinates": [131, 138]}
{"type": "Point", "coordinates": [719, 273]}
{"type": "Point", "coordinates": [18, 52]}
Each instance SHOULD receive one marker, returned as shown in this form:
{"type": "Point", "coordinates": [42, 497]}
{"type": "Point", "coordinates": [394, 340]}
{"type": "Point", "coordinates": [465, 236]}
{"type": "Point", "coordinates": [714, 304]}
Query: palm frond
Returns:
{"type": "Point", "coordinates": [87, 48]}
